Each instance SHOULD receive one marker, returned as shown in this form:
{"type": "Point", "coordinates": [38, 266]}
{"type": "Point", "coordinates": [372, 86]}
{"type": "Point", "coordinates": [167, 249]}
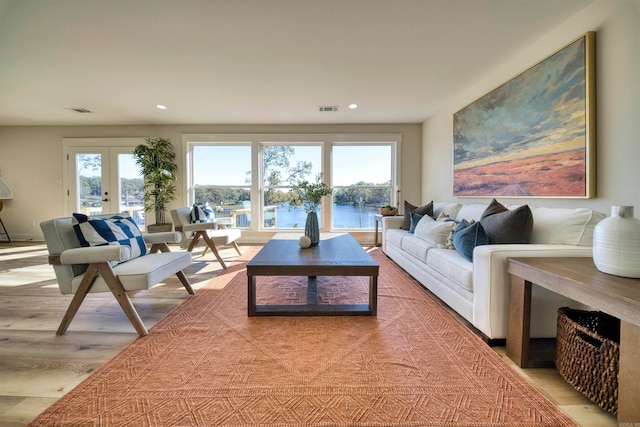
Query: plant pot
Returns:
{"type": "Point", "coordinates": [159, 228]}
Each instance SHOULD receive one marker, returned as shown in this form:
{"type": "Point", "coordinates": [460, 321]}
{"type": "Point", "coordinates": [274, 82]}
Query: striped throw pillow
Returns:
{"type": "Point", "coordinates": [202, 214]}
{"type": "Point", "coordinates": [113, 230]}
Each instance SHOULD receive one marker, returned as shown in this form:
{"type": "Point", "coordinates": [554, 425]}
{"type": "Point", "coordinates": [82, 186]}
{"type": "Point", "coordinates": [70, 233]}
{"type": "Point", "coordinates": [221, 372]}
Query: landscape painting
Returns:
{"type": "Point", "coordinates": [534, 136]}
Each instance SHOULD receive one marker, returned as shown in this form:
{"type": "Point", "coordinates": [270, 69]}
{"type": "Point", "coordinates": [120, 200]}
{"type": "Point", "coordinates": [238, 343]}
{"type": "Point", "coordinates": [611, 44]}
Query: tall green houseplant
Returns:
{"type": "Point", "coordinates": [156, 160]}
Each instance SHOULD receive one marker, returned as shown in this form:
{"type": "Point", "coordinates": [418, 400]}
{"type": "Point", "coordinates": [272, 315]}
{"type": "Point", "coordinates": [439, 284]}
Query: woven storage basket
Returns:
{"type": "Point", "coordinates": [587, 355]}
{"type": "Point", "coordinates": [387, 211]}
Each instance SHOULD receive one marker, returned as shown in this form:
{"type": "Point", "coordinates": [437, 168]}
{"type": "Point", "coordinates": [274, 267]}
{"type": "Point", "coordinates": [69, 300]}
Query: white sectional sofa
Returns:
{"type": "Point", "coordinates": [478, 290]}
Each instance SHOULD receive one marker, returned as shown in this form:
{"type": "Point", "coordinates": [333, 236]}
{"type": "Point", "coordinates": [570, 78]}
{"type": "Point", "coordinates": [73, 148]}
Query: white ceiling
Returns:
{"type": "Point", "coordinates": [254, 61]}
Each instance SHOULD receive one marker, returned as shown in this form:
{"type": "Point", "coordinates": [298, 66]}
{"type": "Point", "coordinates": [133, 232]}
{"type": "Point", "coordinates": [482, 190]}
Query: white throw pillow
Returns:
{"type": "Point", "coordinates": [434, 232]}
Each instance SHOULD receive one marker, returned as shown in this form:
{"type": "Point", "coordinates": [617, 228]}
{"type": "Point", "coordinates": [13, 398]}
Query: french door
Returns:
{"type": "Point", "coordinates": [104, 179]}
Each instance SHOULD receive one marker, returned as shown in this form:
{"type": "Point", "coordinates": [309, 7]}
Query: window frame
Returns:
{"type": "Point", "coordinates": [259, 140]}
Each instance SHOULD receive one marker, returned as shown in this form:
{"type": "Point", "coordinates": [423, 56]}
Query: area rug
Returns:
{"type": "Point", "coordinates": [208, 364]}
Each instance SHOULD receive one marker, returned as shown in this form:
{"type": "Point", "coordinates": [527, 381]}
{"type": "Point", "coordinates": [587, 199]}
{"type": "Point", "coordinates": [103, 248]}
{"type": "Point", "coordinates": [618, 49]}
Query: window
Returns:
{"type": "Point", "coordinates": [231, 171]}
{"type": "Point", "coordinates": [360, 186]}
{"type": "Point", "coordinates": [283, 165]}
{"type": "Point", "coordinates": [222, 178]}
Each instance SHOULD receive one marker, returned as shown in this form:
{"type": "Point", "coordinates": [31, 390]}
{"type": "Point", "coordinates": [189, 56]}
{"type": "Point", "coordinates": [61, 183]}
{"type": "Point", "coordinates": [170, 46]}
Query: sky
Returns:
{"type": "Point", "coordinates": [350, 164]}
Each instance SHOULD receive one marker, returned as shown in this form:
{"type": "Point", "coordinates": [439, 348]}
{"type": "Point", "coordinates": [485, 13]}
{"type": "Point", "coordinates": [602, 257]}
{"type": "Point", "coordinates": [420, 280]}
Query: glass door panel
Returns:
{"type": "Point", "coordinates": [88, 192]}
{"type": "Point", "coordinates": [130, 184]}
{"type": "Point", "coordinates": [105, 180]}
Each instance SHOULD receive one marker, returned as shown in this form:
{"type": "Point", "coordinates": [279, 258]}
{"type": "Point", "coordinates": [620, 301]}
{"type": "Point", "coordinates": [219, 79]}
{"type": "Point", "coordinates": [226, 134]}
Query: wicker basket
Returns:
{"type": "Point", "coordinates": [387, 211]}
{"type": "Point", "coordinates": [587, 355]}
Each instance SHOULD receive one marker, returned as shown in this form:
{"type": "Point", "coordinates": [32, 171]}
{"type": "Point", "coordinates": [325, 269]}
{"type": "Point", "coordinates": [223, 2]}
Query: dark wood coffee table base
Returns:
{"type": "Point", "coordinates": [338, 255]}
{"type": "Point", "coordinates": [312, 308]}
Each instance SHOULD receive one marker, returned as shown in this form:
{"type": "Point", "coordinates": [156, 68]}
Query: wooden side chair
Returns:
{"type": "Point", "coordinates": [118, 263]}
{"type": "Point", "coordinates": [208, 234]}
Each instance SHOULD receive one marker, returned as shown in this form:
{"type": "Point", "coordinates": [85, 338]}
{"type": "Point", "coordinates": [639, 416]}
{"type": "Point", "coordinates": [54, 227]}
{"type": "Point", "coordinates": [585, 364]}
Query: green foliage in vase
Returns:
{"type": "Point", "coordinates": [309, 194]}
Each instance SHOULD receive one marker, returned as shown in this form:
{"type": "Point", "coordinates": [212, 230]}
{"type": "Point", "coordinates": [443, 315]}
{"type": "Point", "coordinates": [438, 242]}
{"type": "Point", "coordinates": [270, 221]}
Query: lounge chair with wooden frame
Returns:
{"type": "Point", "coordinates": [207, 234]}
{"type": "Point", "coordinates": [80, 270]}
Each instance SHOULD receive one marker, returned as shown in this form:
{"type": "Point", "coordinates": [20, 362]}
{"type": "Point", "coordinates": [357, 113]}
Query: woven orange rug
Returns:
{"type": "Point", "coordinates": [208, 364]}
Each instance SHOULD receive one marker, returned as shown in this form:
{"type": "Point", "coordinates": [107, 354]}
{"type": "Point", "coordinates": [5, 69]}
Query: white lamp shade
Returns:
{"type": "Point", "coordinates": [5, 191]}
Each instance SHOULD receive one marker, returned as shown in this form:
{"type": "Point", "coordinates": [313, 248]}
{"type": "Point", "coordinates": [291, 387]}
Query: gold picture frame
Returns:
{"type": "Point", "coordinates": [535, 135]}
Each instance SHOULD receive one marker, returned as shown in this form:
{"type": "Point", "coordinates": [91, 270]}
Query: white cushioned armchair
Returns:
{"type": "Point", "coordinates": [80, 270]}
{"type": "Point", "coordinates": [207, 234]}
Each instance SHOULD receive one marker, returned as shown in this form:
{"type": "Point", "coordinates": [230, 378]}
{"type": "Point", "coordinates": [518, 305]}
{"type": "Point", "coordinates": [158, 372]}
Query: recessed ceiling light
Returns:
{"type": "Point", "coordinates": [161, 107]}
{"type": "Point", "coordinates": [353, 106]}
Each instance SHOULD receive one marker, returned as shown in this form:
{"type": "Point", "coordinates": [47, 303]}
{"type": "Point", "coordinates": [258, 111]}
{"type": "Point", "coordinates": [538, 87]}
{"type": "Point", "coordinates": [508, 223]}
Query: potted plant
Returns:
{"type": "Point", "coordinates": [156, 160]}
{"type": "Point", "coordinates": [309, 195]}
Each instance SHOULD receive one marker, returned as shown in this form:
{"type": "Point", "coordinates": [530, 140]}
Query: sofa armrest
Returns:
{"type": "Point", "coordinates": [163, 237]}
{"type": "Point", "coordinates": [491, 287]}
{"type": "Point", "coordinates": [390, 222]}
{"type": "Point", "coordinates": [95, 254]}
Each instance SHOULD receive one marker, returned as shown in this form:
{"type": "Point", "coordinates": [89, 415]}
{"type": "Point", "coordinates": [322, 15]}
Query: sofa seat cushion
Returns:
{"type": "Point", "coordinates": [451, 264]}
{"type": "Point", "coordinates": [394, 236]}
{"type": "Point", "coordinates": [417, 247]}
{"type": "Point", "coordinates": [225, 236]}
{"type": "Point", "coordinates": [143, 272]}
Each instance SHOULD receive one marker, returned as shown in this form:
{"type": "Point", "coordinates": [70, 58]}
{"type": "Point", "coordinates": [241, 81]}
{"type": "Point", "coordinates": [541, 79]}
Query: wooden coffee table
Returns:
{"type": "Point", "coordinates": [335, 255]}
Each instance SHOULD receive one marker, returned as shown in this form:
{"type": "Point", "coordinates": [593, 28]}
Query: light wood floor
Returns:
{"type": "Point", "coordinates": [37, 367]}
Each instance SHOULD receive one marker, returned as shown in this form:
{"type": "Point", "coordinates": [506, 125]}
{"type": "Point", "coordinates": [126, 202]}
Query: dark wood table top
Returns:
{"type": "Point", "coordinates": [335, 254]}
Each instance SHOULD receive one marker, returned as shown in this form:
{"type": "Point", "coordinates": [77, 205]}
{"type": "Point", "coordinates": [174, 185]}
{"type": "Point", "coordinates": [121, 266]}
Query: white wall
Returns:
{"type": "Point", "coordinates": [617, 26]}
{"type": "Point", "coordinates": [32, 165]}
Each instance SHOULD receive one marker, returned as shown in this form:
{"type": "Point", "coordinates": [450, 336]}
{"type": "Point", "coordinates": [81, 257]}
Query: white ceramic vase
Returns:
{"type": "Point", "coordinates": [616, 243]}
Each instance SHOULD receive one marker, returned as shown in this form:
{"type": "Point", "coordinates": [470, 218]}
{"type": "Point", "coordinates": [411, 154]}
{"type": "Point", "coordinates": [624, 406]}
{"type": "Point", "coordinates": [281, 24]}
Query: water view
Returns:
{"type": "Point", "coordinates": [344, 216]}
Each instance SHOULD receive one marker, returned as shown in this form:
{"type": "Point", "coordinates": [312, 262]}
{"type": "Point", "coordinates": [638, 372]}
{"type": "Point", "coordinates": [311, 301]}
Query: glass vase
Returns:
{"type": "Point", "coordinates": [616, 243]}
{"type": "Point", "coordinates": [312, 229]}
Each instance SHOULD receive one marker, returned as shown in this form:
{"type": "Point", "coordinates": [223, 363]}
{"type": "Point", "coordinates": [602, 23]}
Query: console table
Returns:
{"type": "Point", "coordinates": [580, 280]}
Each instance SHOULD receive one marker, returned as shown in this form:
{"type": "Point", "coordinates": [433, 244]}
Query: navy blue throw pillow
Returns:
{"type": "Point", "coordinates": [467, 236]}
{"type": "Point", "coordinates": [415, 219]}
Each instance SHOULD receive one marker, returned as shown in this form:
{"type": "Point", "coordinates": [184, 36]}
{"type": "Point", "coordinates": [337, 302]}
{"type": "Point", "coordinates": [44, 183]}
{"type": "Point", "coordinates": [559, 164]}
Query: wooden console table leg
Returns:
{"type": "Point", "coordinates": [519, 321]}
{"type": "Point", "coordinates": [629, 375]}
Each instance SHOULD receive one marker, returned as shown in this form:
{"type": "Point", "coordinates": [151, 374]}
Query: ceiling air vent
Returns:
{"type": "Point", "coordinates": [80, 110]}
{"type": "Point", "coordinates": [328, 108]}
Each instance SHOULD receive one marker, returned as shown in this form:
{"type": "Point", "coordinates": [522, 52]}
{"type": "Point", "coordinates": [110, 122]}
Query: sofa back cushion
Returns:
{"type": "Point", "coordinates": [447, 209]}
{"type": "Point", "coordinates": [564, 226]}
{"type": "Point", "coordinates": [470, 212]}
